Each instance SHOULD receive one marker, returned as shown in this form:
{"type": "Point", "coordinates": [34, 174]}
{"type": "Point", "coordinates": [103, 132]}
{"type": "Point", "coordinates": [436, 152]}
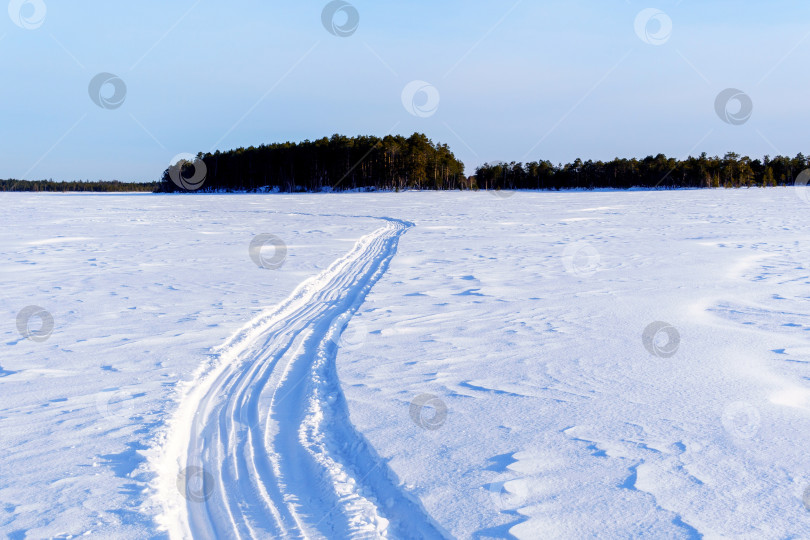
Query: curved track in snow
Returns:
{"type": "Point", "coordinates": [269, 426]}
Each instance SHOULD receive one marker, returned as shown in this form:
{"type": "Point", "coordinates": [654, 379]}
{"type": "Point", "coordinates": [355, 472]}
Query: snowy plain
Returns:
{"type": "Point", "coordinates": [473, 366]}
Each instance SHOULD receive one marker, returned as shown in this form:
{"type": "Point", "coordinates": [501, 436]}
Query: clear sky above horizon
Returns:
{"type": "Point", "coordinates": [503, 80]}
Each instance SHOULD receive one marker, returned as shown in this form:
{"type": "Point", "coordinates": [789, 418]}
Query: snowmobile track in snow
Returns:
{"type": "Point", "coordinates": [262, 446]}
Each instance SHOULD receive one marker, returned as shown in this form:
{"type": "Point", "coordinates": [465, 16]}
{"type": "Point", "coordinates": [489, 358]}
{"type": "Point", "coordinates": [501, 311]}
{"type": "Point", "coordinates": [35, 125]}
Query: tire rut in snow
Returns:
{"type": "Point", "coordinates": [270, 428]}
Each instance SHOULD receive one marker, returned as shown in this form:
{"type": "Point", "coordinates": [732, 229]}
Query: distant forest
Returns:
{"type": "Point", "coordinates": [100, 186]}
{"type": "Point", "coordinates": [337, 163]}
{"type": "Point", "coordinates": [730, 171]}
{"type": "Point", "coordinates": [396, 163]}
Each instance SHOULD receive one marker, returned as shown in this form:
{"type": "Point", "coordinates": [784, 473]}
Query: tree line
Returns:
{"type": "Point", "coordinates": [397, 163]}
{"type": "Point", "coordinates": [338, 163]}
{"type": "Point", "coordinates": [730, 171]}
{"type": "Point", "coordinates": [98, 187]}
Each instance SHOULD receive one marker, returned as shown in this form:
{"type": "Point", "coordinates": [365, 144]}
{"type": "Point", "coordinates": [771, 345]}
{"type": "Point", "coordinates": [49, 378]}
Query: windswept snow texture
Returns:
{"type": "Point", "coordinates": [608, 364]}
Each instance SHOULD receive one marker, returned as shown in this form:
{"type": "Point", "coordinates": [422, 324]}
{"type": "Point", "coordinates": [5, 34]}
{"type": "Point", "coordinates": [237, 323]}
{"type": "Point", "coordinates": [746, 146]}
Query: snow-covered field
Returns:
{"type": "Point", "coordinates": [540, 365]}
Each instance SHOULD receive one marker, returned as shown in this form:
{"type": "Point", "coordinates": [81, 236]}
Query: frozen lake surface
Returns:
{"type": "Point", "coordinates": [540, 365]}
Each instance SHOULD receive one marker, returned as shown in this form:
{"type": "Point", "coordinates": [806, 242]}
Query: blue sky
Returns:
{"type": "Point", "coordinates": [517, 80]}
